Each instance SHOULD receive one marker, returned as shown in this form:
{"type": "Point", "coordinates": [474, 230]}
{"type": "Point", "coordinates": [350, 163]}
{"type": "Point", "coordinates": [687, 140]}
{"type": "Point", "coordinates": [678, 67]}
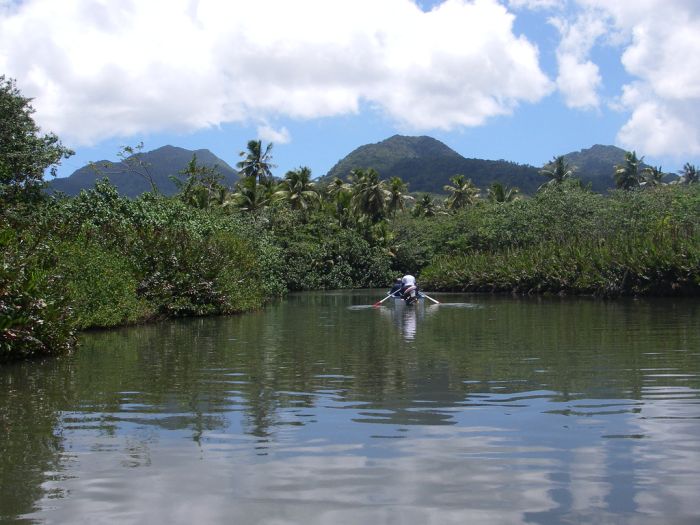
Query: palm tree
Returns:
{"type": "Point", "coordinates": [557, 171]}
{"type": "Point", "coordinates": [249, 195]}
{"type": "Point", "coordinates": [627, 175]}
{"type": "Point", "coordinates": [297, 189]}
{"type": "Point", "coordinates": [256, 162]}
{"type": "Point", "coordinates": [221, 195]}
{"type": "Point", "coordinates": [337, 193]}
{"type": "Point", "coordinates": [425, 207]}
{"type": "Point", "coordinates": [397, 195]}
{"type": "Point", "coordinates": [501, 193]}
{"type": "Point", "coordinates": [382, 235]}
{"type": "Point", "coordinates": [270, 186]}
{"type": "Point", "coordinates": [652, 176]}
{"type": "Point", "coordinates": [334, 188]}
{"type": "Point", "coordinates": [462, 192]}
{"type": "Point", "coordinates": [689, 174]}
{"type": "Point", "coordinates": [369, 195]}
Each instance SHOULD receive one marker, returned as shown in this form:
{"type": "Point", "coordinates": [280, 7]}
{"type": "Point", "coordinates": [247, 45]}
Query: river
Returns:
{"type": "Point", "coordinates": [321, 409]}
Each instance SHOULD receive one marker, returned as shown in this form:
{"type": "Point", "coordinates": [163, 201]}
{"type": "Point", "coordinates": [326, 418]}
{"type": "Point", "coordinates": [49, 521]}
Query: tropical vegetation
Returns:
{"type": "Point", "coordinates": [101, 259]}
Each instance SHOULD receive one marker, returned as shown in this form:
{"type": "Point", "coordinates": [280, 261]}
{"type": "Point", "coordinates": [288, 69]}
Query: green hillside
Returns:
{"type": "Point", "coordinates": [161, 164]}
{"type": "Point", "coordinates": [427, 164]}
{"type": "Point", "coordinates": [596, 165]}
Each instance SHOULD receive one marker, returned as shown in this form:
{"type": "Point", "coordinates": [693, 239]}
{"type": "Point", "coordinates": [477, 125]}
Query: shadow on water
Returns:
{"type": "Point", "coordinates": [503, 409]}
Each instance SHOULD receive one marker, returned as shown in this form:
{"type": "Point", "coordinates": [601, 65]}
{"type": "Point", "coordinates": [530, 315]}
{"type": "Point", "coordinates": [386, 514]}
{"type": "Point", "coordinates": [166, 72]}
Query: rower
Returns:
{"type": "Point", "coordinates": [396, 288]}
{"type": "Point", "coordinates": [406, 281]}
{"type": "Point", "coordinates": [409, 289]}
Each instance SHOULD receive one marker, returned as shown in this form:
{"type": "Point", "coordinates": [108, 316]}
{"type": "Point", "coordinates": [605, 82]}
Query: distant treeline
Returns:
{"type": "Point", "coordinates": [101, 259]}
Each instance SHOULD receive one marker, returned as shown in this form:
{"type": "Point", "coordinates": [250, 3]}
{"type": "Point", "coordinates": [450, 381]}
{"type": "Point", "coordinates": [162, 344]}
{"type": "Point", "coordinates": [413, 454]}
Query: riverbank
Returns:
{"type": "Point", "coordinates": [654, 266]}
{"type": "Point", "coordinates": [571, 241]}
{"type": "Point", "coordinates": [101, 260]}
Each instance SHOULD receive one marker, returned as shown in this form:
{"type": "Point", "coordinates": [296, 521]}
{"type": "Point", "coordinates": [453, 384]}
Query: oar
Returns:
{"type": "Point", "coordinates": [428, 297]}
{"type": "Point", "coordinates": [380, 302]}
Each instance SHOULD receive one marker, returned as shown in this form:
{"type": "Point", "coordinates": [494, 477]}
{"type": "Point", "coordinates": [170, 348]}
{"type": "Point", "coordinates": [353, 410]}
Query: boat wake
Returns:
{"type": "Point", "coordinates": [430, 305]}
{"type": "Point", "coordinates": [459, 305]}
{"type": "Point", "coordinates": [361, 307]}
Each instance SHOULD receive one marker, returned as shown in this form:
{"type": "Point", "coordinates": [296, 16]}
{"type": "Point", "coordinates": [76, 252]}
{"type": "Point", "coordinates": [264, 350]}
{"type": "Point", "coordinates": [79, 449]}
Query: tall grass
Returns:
{"type": "Point", "coordinates": [632, 243]}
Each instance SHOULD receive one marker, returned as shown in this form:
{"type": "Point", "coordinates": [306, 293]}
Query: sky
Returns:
{"type": "Point", "coordinates": [520, 80]}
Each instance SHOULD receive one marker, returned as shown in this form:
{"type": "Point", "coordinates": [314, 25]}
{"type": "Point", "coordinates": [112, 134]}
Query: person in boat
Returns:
{"type": "Point", "coordinates": [406, 281]}
{"type": "Point", "coordinates": [409, 288]}
{"type": "Point", "coordinates": [396, 288]}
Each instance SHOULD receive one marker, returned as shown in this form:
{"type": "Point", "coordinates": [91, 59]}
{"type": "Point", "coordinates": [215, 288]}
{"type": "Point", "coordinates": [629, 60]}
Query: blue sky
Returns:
{"type": "Point", "coordinates": [520, 80]}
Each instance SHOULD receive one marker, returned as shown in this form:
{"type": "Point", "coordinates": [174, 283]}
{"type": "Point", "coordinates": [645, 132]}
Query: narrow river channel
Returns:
{"type": "Point", "coordinates": [322, 410]}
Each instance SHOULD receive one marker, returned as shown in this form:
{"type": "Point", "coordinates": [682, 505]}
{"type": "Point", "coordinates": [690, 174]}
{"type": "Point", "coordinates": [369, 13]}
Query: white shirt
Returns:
{"type": "Point", "coordinates": [408, 280]}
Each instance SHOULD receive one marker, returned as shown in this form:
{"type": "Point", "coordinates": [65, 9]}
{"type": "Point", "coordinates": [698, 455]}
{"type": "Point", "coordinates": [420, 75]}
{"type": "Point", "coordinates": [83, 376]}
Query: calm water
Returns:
{"type": "Point", "coordinates": [320, 410]}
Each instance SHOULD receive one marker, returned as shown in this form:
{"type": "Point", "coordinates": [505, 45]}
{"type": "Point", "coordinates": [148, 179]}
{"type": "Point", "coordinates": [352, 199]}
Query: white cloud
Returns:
{"type": "Point", "coordinates": [536, 4]}
{"type": "Point", "coordinates": [662, 52]}
{"type": "Point", "coordinates": [659, 126]}
{"type": "Point", "coordinates": [270, 134]}
{"type": "Point", "coordinates": [579, 79]}
{"type": "Point", "coordinates": [579, 82]}
{"type": "Point", "coordinates": [102, 69]}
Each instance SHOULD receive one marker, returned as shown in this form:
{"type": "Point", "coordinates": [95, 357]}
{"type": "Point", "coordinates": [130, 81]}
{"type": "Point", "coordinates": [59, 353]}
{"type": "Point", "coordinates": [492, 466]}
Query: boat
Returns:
{"type": "Point", "coordinates": [415, 297]}
{"type": "Point", "coordinates": [412, 299]}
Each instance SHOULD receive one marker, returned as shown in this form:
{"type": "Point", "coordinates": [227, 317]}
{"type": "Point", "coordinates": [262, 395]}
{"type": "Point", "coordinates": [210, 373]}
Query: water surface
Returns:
{"type": "Point", "coordinates": [320, 409]}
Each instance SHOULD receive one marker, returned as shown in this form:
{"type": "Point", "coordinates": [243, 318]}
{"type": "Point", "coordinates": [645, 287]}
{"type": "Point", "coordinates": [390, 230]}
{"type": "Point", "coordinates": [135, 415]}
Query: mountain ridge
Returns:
{"type": "Point", "coordinates": [423, 162]}
{"type": "Point", "coordinates": [427, 164]}
{"type": "Point", "coordinates": [162, 163]}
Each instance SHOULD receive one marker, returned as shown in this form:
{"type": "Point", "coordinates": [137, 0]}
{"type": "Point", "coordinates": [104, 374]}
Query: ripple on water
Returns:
{"type": "Point", "coordinates": [460, 305]}
{"type": "Point", "coordinates": [361, 307]}
{"type": "Point", "coordinates": [558, 411]}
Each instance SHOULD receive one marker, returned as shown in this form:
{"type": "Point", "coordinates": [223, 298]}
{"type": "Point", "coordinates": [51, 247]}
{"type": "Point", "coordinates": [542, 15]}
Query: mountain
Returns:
{"type": "Point", "coordinates": [596, 165]}
{"type": "Point", "coordinates": [427, 164]}
{"type": "Point", "coordinates": [161, 163]}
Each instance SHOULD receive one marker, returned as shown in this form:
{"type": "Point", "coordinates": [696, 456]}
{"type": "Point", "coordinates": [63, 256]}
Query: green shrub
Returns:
{"type": "Point", "coordinates": [34, 314]}
{"type": "Point", "coordinates": [100, 284]}
{"type": "Point", "coordinates": [320, 254]}
{"type": "Point", "coordinates": [235, 273]}
{"type": "Point", "coordinates": [568, 240]}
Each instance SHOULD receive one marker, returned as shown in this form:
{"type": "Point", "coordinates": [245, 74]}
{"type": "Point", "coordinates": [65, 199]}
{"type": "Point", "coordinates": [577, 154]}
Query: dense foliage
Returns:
{"type": "Point", "coordinates": [101, 259]}
{"type": "Point", "coordinates": [35, 317]}
{"type": "Point", "coordinates": [25, 153]}
{"type": "Point", "coordinates": [569, 240]}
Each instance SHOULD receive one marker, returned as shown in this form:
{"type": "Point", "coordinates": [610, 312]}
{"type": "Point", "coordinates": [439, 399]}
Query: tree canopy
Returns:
{"type": "Point", "coordinates": [25, 153]}
{"type": "Point", "coordinates": [256, 161]}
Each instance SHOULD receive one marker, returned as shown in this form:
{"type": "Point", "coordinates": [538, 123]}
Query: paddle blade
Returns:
{"type": "Point", "coordinates": [381, 301]}
{"type": "Point", "coordinates": [433, 300]}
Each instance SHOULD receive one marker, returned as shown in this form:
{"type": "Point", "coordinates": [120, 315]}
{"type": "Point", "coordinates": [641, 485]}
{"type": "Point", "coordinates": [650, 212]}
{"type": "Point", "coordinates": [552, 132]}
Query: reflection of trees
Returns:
{"type": "Point", "coordinates": [583, 347]}
{"type": "Point", "coordinates": [151, 376]}
{"type": "Point", "coordinates": [31, 394]}
{"type": "Point", "coordinates": [42, 402]}
{"type": "Point", "coordinates": [572, 348]}
{"type": "Point", "coordinates": [263, 369]}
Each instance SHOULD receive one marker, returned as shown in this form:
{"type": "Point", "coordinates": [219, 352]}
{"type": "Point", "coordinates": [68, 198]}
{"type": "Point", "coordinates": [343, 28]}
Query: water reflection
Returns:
{"type": "Point", "coordinates": [405, 317]}
{"type": "Point", "coordinates": [518, 411]}
{"type": "Point", "coordinates": [435, 474]}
